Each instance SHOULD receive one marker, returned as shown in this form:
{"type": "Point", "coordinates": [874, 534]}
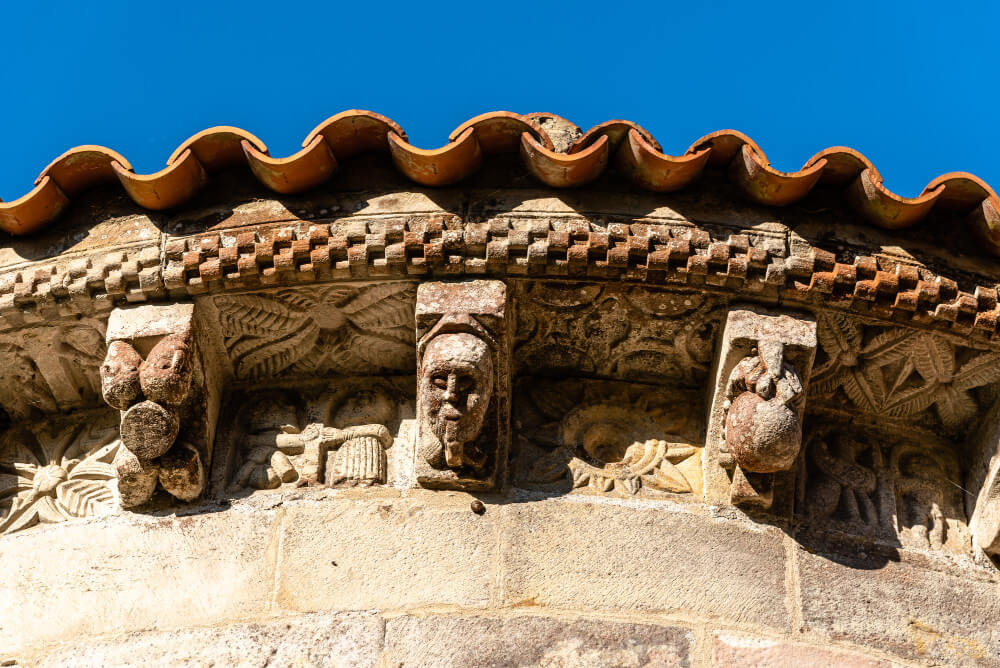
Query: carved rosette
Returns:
{"type": "Point", "coordinates": [462, 384]}
{"type": "Point", "coordinates": [755, 423]}
{"type": "Point", "coordinates": [58, 471]}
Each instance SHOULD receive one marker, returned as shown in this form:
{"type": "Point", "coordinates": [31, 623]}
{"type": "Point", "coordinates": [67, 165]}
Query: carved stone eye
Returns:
{"type": "Point", "coordinates": [440, 381]}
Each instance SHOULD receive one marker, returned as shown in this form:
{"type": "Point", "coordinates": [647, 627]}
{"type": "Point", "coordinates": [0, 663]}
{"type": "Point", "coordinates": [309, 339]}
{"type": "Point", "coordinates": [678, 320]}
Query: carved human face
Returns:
{"type": "Point", "coordinates": [456, 388]}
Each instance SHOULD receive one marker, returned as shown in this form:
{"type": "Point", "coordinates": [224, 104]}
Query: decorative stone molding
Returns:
{"type": "Point", "coordinates": [157, 375]}
{"type": "Point", "coordinates": [463, 384]}
{"type": "Point", "coordinates": [755, 422]}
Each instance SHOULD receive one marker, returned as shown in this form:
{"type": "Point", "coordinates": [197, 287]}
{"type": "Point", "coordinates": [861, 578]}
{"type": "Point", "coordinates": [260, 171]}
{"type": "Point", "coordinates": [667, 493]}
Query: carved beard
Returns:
{"type": "Point", "coordinates": [456, 389]}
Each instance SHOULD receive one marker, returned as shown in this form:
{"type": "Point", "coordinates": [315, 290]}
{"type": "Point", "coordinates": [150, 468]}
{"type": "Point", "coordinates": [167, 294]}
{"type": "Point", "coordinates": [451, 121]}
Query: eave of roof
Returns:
{"type": "Point", "coordinates": [620, 145]}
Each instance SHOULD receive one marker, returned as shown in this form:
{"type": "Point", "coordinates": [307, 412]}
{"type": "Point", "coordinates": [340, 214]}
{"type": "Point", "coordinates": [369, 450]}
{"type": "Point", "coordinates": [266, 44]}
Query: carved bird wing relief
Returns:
{"type": "Point", "coordinates": [264, 335]}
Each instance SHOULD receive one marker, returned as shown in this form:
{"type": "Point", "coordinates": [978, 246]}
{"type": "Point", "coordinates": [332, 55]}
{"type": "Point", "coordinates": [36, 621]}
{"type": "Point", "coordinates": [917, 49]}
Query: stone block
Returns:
{"type": "Point", "coordinates": [733, 650]}
{"type": "Point", "coordinates": [127, 573]}
{"type": "Point", "coordinates": [612, 557]}
{"type": "Point", "coordinates": [355, 554]}
{"type": "Point", "coordinates": [902, 608]}
{"type": "Point", "coordinates": [532, 641]}
{"type": "Point", "coordinates": [346, 639]}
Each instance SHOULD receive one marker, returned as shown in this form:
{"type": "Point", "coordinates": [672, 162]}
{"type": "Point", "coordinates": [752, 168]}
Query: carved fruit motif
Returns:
{"type": "Point", "coordinates": [763, 435]}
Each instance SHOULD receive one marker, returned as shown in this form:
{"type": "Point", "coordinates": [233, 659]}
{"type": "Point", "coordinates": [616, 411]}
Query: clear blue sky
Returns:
{"type": "Point", "coordinates": [913, 85]}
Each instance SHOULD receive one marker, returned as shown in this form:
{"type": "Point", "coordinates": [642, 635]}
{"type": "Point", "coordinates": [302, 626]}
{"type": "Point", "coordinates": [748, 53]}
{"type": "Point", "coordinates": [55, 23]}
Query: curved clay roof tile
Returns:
{"type": "Point", "coordinates": [624, 145]}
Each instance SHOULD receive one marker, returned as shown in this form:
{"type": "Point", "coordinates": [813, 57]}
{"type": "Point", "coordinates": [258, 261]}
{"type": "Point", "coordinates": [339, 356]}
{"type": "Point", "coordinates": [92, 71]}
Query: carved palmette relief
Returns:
{"type": "Point", "coordinates": [901, 489]}
{"type": "Point", "coordinates": [321, 330]}
{"type": "Point", "coordinates": [624, 439]}
{"type": "Point", "coordinates": [337, 435]}
{"type": "Point", "coordinates": [462, 384]}
{"type": "Point", "coordinates": [615, 331]}
{"type": "Point", "coordinates": [901, 373]}
{"type": "Point", "coordinates": [58, 470]}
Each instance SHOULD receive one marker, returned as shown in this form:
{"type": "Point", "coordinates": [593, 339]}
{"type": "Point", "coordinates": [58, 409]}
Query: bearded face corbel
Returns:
{"type": "Point", "coordinates": [456, 387]}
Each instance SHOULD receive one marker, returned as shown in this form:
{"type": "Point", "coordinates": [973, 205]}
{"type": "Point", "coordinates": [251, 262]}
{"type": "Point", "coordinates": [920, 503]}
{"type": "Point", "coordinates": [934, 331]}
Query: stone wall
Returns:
{"type": "Point", "coordinates": [322, 577]}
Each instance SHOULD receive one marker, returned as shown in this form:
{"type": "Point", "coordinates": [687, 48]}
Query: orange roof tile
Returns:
{"type": "Point", "coordinates": [623, 145]}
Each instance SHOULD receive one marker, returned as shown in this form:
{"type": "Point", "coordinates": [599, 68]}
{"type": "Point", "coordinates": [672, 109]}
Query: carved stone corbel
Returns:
{"type": "Point", "coordinates": [754, 434]}
{"type": "Point", "coordinates": [463, 384]}
{"type": "Point", "coordinates": [983, 484]}
{"type": "Point", "coordinates": [168, 395]}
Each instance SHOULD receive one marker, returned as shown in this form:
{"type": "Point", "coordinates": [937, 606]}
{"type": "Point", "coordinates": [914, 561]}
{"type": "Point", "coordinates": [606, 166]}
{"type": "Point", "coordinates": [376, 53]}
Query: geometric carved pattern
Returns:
{"type": "Point", "coordinates": [55, 472]}
{"type": "Point", "coordinates": [898, 372]}
{"type": "Point", "coordinates": [606, 437]}
{"type": "Point", "coordinates": [333, 329]}
{"type": "Point", "coordinates": [615, 331]}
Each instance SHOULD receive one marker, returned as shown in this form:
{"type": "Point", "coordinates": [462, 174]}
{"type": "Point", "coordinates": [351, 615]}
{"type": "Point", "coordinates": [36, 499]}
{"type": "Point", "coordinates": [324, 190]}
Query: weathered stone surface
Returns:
{"type": "Point", "coordinates": [612, 557]}
{"type": "Point", "coordinates": [344, 554]}
{"type": "Point", "coordinates": [149, 429]}
{"type": "Point", "coordinates": [129, 573]}
{"type": "Point", "coordinates": [463, 384]}
{"type": "Point", "coordinates": [532, 641]}
{"type": "Point", "coordinates": [902, 608]}
{"type": "Point", "coordinates": [732, 651]}
{"type": "Point", "coordinates": [345, 639]}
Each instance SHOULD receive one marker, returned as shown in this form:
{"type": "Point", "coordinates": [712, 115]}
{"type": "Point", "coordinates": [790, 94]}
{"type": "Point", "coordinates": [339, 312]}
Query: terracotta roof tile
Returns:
{"type": "Point", "coordinates": [620, 145]}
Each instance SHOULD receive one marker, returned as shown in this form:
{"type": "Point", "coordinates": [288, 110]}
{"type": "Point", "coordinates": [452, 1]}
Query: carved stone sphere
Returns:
{"type": "Point", "coordinates": [120, 375]}
{"type": "Point", "coordinates": [764, 436]}
{"type": "Point", "coordinates": [149, 429]}
{"type": "Point", "coordinates": [166, 374]}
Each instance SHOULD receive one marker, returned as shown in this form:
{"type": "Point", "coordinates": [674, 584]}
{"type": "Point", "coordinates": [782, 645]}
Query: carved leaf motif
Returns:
{"type": "Point", "coordinates": [383, 306]}
{"type": "Point", "coordinates": [381, 352]}
{"type": "Point", "coordinates": [256, 316]}
{"type": "Point", "coordinates": [839, 334]}
{"type": "Point", "coordinates": [667, 478]}
{"type": "Point", "coordinates": [933, 358]}
{"type": "Point", "coordinates": [84, 498]}
{"type": "Point", "coordinates": [859, 391]}
{"type": "Point", "coordinates": [954, 407]}
{"type": "Point", "coordinates": [981, 370]}
{"type": "Point", "coordinates": [631, 485]}
{"type": "Point", "coordinates": [888, 346]}
{"type": "Point", "coordinates": [911, 402]}
{"type": "Point", "coordinates": [278, 355]}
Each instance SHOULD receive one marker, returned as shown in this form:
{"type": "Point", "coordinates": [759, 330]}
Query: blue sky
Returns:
{"type": "Point", "coordinates": [910, 84]}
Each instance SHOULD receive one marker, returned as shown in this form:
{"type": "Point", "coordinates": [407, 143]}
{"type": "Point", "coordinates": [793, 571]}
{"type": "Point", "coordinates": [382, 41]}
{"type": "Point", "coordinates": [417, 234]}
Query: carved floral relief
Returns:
{"type": "Point", "coordinates": [338, 329]}
{"type": "Point", "coordinates": [58, 470]}
{"type": "Point", "coordinates": [900, 373]}
{"type": "Point", "coordinates": [619, 438]}
{"type": "Point", "coordinates": [618, 332]}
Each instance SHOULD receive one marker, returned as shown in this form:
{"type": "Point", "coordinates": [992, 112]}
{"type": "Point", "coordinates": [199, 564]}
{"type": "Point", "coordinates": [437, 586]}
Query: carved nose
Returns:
{"type": "Point", "coordinates": [450, 393]}
{"type": "Point", "coordinates": [449, 412]}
